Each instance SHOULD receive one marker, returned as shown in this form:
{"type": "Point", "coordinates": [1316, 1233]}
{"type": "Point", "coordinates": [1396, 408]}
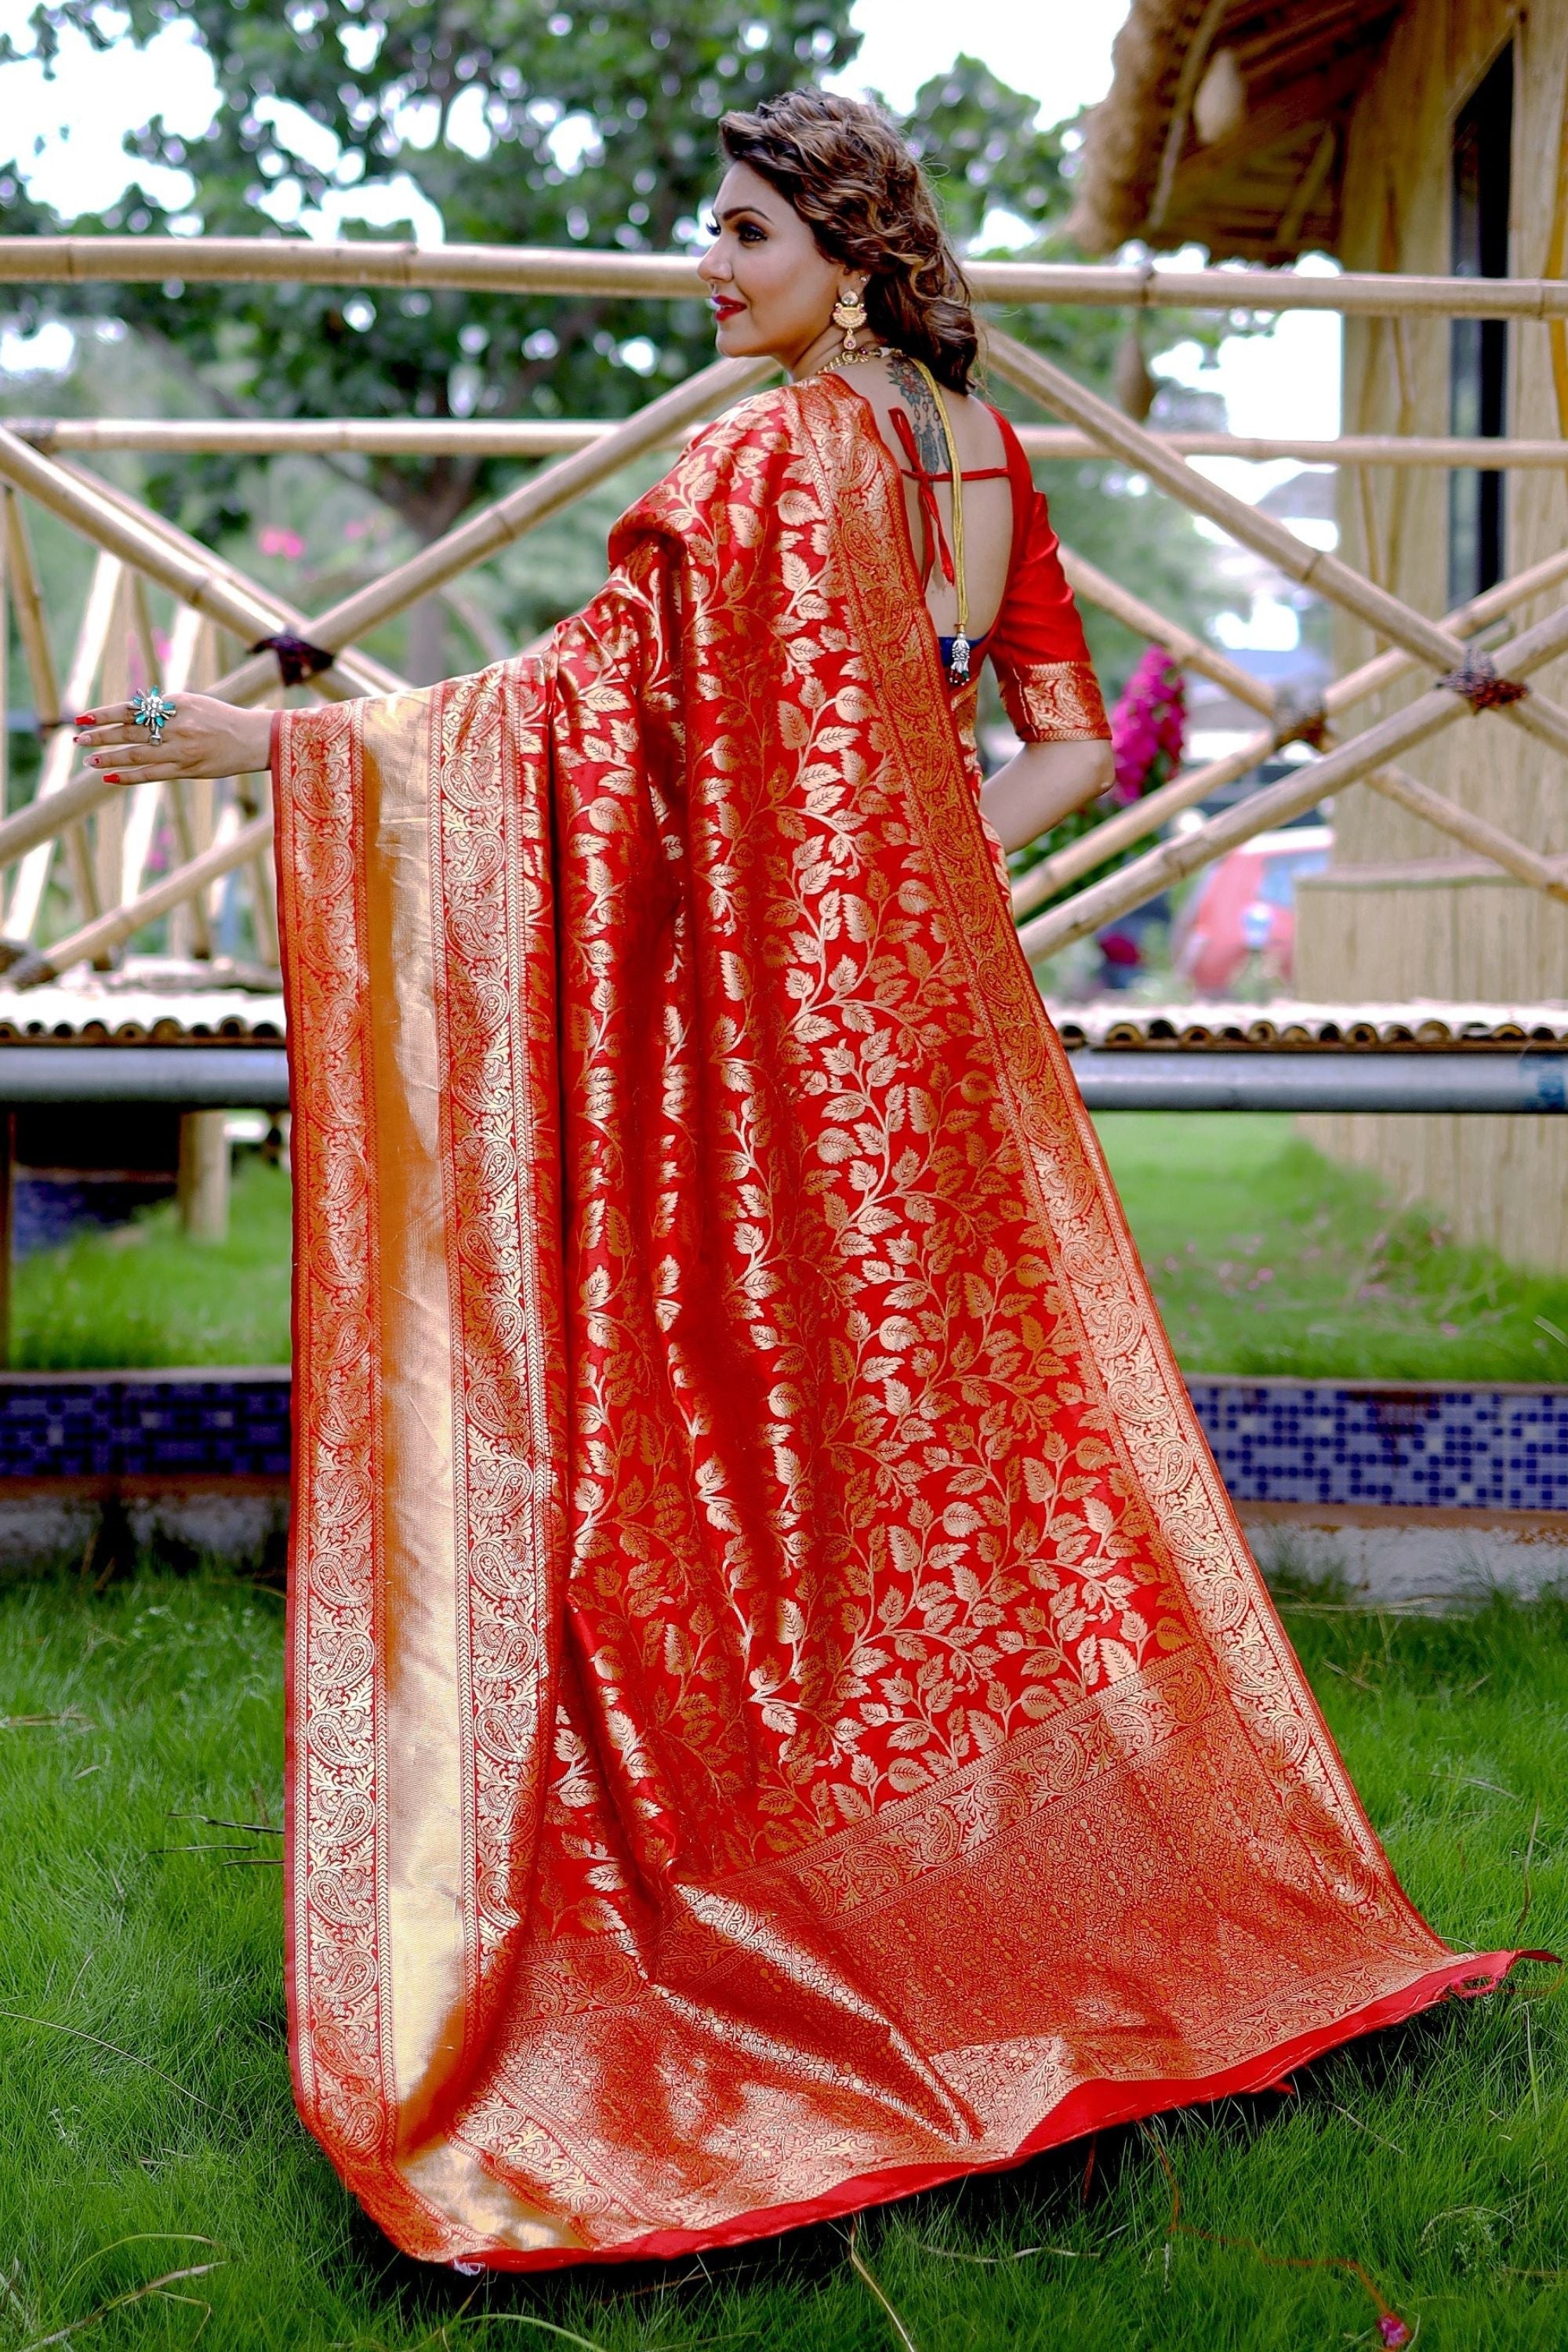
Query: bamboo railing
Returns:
{"type": "Point", "coordinates": [539, 269]}
{"type": "Point", "coordinates": [207, 834]}
{"type": "Point", "coordinates": [400, 436]}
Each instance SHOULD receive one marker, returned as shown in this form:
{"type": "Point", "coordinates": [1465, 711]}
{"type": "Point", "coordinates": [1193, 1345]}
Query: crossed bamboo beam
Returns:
{"type": "Point", "coordinates": [130, 533]}
{"type": "Point", "coordinates": [111, 930]}
{"type": "Point", "coordinates": [1416, 640]}
{"type": "Point", "coordinates": [1386, 614]}
{"type": "Point", "coordinates": [1157, 808]}
{"type": "Point", "coordinates": [120, 526]}
{"type": "Point", "coordinates": [1354, 762]}
{"type": "Point", "coordinates": [522, 510]}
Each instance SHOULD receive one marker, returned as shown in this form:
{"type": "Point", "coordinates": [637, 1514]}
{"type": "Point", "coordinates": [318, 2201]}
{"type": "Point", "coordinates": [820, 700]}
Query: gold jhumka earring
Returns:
{"type": "Point", "coordinates": [850, 315]}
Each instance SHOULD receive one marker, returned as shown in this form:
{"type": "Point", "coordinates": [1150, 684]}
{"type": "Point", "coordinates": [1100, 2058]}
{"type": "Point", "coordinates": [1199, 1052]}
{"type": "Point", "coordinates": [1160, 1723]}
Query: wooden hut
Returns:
{"type": "Point", "coordinates": [1429, 136]}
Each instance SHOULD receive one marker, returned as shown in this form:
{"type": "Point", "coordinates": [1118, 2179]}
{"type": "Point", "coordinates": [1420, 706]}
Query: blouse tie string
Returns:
{"type": "Point", "coordinates": [925, 486]}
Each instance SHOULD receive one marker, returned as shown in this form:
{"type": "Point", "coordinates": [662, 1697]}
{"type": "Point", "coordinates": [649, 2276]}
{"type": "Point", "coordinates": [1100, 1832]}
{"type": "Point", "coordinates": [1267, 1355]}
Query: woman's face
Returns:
{"type": "Point", "coordinates": [771, 286]}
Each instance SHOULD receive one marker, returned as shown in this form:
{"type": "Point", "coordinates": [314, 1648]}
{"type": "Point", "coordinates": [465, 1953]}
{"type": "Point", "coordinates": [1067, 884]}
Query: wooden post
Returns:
{"type": "Point", "coordinates": [204, 1175]}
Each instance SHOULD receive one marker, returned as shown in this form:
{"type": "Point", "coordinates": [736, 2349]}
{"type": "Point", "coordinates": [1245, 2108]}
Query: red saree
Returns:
{"type": "Point", "coordinates": [780, 1710]}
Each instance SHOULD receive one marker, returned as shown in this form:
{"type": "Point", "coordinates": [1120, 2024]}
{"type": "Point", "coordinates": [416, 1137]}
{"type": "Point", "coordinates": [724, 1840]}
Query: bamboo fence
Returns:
{"type": "Point", "coordinates": [177, 262]}
{"type": "Point", "coordinates": [209, 834]}
{"type": "Point", "coordinates": [400, 436]}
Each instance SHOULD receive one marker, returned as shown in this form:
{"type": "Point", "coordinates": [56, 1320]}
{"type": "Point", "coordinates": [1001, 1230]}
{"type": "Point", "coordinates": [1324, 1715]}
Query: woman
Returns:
{"type": "Point", "coordinates": [781, 1712]}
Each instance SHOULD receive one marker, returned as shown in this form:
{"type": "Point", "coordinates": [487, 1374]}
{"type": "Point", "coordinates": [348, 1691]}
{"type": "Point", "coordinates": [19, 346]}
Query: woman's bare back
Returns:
{"type": "Point", "coordinates": [896, 384]}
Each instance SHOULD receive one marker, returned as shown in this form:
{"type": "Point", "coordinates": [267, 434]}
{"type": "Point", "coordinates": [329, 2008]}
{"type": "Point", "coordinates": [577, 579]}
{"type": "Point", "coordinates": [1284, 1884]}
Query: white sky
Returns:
{"type": "Point", "coordinates": [66, 135]}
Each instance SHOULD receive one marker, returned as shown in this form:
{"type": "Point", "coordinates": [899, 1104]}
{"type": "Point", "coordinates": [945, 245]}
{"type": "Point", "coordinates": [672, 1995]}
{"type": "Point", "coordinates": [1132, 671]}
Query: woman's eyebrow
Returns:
{"type": "Point", "coordinates": [739, 212]}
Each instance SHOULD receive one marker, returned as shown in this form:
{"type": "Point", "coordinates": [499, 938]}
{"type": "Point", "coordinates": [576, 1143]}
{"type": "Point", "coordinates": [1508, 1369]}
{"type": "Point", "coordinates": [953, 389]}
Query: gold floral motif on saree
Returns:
{"type": "Point", "coordinates": [781, 1709]}
{"type": "Point", "coordinates": [1053, 702]}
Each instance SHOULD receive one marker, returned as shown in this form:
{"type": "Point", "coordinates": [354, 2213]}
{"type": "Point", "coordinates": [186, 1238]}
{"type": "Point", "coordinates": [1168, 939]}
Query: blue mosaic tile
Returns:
{"type": "Point", "coordinates": [179, 1425]}
{"type": "Point", "coordinates": [1276, 1441]}
{"type": "Point", "coordinates": [1436, 1447]}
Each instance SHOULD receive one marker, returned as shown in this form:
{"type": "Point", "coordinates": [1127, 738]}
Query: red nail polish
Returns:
{"type": "Point", "coordinates": [85, 720]}
{"type": "Point", "coordinates": [111, 780]}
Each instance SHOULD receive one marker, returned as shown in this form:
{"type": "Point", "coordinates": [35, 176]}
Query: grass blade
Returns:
{"type": "Point", "coordinates": [78, 2033]}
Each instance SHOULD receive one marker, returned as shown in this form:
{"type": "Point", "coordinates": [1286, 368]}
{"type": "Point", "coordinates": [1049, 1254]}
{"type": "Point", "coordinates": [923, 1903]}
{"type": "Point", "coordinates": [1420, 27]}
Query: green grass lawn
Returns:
{"type": "Point", "coordinates": [1436, 2156]}
{"type": "Point", "coordinates": [1265, 1258]}
{"type": "Point", "coordinates": [141, 1293]}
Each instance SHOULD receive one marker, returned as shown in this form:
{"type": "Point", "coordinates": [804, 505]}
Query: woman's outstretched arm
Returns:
{"type": "Point", "coordinates": [1043, 783]}
{"type": "Point", "coordinates": [204, 738]}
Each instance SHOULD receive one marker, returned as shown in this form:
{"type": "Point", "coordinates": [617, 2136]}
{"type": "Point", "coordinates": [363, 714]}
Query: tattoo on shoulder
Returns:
{"type": "Point", "coordinates": [916, 394]}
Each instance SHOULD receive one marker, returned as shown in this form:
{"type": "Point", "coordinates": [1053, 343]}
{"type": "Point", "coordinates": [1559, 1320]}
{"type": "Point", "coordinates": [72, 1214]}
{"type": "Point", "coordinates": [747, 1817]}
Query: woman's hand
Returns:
{"type": "Point", "coordinates": [1043, 783]}
{"type": "Point", "coordinates": [204, 738]}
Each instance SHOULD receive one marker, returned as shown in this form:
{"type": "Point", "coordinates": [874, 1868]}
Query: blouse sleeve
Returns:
{"type": "Point", "coordinates": [1036, 644]}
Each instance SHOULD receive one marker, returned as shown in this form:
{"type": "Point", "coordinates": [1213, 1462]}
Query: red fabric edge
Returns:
{"type": "Point", "coordinates": [1093, 2106]}
{"type": "Point", "coordinates": [284, 887]}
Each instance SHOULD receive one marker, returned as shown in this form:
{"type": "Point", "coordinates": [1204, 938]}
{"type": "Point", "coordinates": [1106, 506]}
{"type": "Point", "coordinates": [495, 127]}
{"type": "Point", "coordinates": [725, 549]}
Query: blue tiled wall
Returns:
{"type": "Point", "coordinates": [1276, 1441]}
{"type": "Point", "coordinates": [149, 1425]}
{"type": "Point", "coordinates": [1436, 1447]}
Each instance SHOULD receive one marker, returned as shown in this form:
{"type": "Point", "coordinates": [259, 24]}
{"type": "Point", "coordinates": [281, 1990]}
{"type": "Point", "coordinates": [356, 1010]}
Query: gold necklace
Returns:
{"type": "Point", "coordinates": [958, 661]}
{"type": "Point", "coordinates": [856, 356]}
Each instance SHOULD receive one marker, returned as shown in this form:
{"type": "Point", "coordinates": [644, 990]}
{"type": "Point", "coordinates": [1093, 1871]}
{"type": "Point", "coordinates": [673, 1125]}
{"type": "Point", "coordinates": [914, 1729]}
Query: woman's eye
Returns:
{"type": "Point", "coordinates": [713, 227]}
{"type": "Point", "coordinates": [749, 234]}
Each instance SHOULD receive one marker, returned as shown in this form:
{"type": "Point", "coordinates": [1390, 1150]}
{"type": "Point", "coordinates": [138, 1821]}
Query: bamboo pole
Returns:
{"type": "Point", "coordinates": [28, 603]}
{"type": "Point", "coordinates": [116, 682]}
{"type": "Point", "coordinates": [51, 801]}
{"type": "Point", "coordinates": [1096, 587]}
{"type": "Point", "coordinates": [142, 801]}
{"type": "Point", "coordinates": [189, 642]}
{"type": "Point", "coordinates": [42, 818]}
{"type": "Point", "coordinates": [365, 673]}
{"type": "Point", "coordinates": [522, 510]}
{"type": "Point", "coordinates": [5, 676]}
{"type": "Point", "coordinates": [191, 808]}
{"type": "Point", "coordinates": [205, 582]}
{"type": "Point", "coordinates": [560, 436]}
{"type": "Point", "coordinates": [1147, 876]}
{"type": "Point", "coordinates": [539, 269]}
{"type": "Point", "coordinates": [112, 929]}
{"type": "Point", "coordinates": [1145, 816]}
{"type": "Point", "coordinates": [1545, 874]}
{"type": "Point", "coordinates": [202, 581]}
{"type": "Point", "coordinates": [1311, 567]}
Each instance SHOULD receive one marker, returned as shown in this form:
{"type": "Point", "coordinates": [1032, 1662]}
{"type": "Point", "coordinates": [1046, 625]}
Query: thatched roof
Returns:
{"type": "Point", "coordinates": [1224, 125]}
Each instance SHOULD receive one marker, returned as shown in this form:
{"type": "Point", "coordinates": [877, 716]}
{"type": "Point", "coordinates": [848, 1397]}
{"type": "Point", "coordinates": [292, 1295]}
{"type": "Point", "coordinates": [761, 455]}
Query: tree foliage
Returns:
{"type": "Point", "coordinates": [524, 124]}
{"type": "Point", "coordinates": [521, 125]}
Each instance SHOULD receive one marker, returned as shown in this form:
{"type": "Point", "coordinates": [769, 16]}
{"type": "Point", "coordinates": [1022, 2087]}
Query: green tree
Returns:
{"type": "Point", "coordinates": [521, 125]}
{"type": "Point", "coordinates": [527, 126]}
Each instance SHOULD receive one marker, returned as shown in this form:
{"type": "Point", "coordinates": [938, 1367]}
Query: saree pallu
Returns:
{"type": "Point", "coordinates": [781, 1712]}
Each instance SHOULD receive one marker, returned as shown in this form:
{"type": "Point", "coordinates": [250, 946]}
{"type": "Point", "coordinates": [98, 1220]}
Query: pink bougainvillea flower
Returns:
{"type": "Point", "coordinates": [274, 539]}
{"type": "Point", "coordinates": [1148, 726]}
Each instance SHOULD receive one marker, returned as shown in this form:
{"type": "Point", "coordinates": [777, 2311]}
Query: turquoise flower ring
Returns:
{"type": "Point", "coordinates": [152, 711]}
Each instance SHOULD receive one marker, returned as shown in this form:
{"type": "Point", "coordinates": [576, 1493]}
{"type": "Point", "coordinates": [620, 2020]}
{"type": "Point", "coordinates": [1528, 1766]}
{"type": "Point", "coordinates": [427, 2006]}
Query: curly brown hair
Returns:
{"type": "Point", "coordinates": [849, 174]}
